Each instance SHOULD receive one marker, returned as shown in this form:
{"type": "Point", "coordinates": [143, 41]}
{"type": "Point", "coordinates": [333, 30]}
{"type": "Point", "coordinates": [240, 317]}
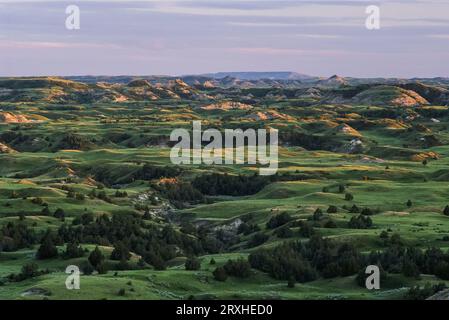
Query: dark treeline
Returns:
{"type": "Point", "coordinates": [150, 172]}
{"type": "Point", "coordinates": [224, 184]}
{"type": "Point", "coordinates": [308, 141]}
{"type": "Point", "coordinates": [14, 236]}
{"type": "Point", "coordinates": [304, 262]}
{"type": "Point", "coordinates": [327, 258]}
{"type": "Point", "coordinates": [179, 193]}
{"type": "Point", "coordinates": [146, 172]}
{"type": "Point", "coordinates": [128, 232]}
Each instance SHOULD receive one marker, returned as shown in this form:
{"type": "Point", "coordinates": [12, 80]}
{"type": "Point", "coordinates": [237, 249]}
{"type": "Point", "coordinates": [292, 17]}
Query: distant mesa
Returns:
{"type": "Point", "coordinates": [41, 82]}
{"type": "Point", "coordinates": [275, 75]}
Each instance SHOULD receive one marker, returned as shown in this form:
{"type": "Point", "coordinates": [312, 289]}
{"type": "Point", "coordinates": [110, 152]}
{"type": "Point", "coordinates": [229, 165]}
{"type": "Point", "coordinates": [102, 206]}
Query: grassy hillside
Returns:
{"type": "Point", "coordinates": [87, 166]}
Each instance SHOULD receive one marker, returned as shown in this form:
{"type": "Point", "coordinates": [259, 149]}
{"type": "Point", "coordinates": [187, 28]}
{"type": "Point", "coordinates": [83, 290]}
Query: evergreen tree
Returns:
{"type": "Point", "coordinates": [192, 263]}
{"type": "Point", "coordinates": [409, 268]}
{"type": "Point", "coordinates": [87, 268]}
{"type": "Point", "coordinates": [446, 211]}
{"type": "Point", "coordinates": [220, 274]}
{"type": "Point", "coordinates": [96, 257]}
{"type": "Point", "coordinates": [59, 214]}
{"type": "Point", "coordinates": [317, 215]}
{"type": "Point", "coordinates": [120, 252]}
{"type": "Point", "coordinates": [366, 212]}
{"type": "Point", "coordinates": [73, 250]}
{"type": "Point", "coordinates": [47, 249]}
{"type": "Point", "coordinates": [45, 211]}
{"type": "Point", "coordinates": [102, 268]}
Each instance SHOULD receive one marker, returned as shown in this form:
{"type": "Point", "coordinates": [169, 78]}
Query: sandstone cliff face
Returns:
{"type": "Point", "coordinates": [5, 149]}
{"type": "Point", "coordinates": [8, 117]}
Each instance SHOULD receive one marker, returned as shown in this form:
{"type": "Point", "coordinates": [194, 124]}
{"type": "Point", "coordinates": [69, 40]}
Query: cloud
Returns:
{"type": "Point", "coordinates": [293, 9]}
{"type": "Point", "coordinates": [52, 45]}
{"type": "Point", "coordinates": [261, 24]}
{"type": "Point", "coordinates": [284, 51]}
{"type": "Point", "coordinates": [439, 36]}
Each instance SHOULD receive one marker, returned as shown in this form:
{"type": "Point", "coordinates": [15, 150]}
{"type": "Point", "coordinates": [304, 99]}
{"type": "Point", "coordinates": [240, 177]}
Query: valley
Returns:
{"type": "Point", "coordinates": [86, 180]}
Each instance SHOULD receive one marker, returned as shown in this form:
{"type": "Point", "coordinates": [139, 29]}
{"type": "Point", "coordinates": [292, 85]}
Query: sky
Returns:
{"type": "Point", "coordinates": [149, 37]}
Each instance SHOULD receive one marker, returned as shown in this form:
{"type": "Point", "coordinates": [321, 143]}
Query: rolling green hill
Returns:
{"type": "Point", "coordinates": [362, 179]}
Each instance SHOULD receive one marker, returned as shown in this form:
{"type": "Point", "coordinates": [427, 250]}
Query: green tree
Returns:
{"type": "Point", "coordinates": [332, 209]}
{"type": "Point", "coordinates": [87, 268]}
{"type": "Point", "coordinates": [120, 252]}
{"type": "Point", "coordinates": [192, 263]}
{"type": "Point", "coordinates": [220, 274]}
{"type": "Point", "coordinates": [102, 268]}
{"type": "Point", "coordinates": [73, 250]}
{"type": "Point", "coordinates": [96, 257]}
{"type": "Point", "coordinates": [59, 214]}
{"type": "Point", "coordinates": [47, 249]}
{"type": "Point", "coordinates": [446, 211]}
{"type": "Point", "coordinates": [291, 282]}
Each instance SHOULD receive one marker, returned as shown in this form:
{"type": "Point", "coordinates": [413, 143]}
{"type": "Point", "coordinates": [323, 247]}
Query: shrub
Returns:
{"type": "Point", "coordinates": [258, 239]}
{"type": "Point", "coordinates": [383, 235]}
{"type": "Point", "coordinates": [120, 252]}
{"type": "Point", "coordinates": [284, 232]}
{"type": "Point", "coordinates": [220, 274]}
{"type": "Point", "coordinates": [192, 263]}
{"type": "Point", "coordinates": [87, 268]}
{"type": "Point", "coordinates": [59, 213]}
{"type": "Point", "coordinates": [247, 228]}
{"type": "Point", "coordinates": [47, 249]}
{"type": "Point", "coordinates": [367, 212]}
{"type": "Point", "coordinates": [317, 215]}
{"type": "Point", "coordinates": [306, 230]}
{"type": "Point", "coordinates": [278, 220]}
{"type": "Point", "coordinates": [73, 250]}
{"type": "Point", "coordinates": [45, 211]}
{"type": "Point", "coordinates": [332, 209]}
{"type": "Point", "coordinates": [239, 268]}
{"type": "Point", "coordinates": [96, 257]}
{"type": "Point", "coordinates": [330, 224]}
{"type": "Point", "coordinates": [102, 268]}
{"type": "Point", "coordinates": [360, 222]}
{"type": "Point", "coordinates": [446, 211]}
